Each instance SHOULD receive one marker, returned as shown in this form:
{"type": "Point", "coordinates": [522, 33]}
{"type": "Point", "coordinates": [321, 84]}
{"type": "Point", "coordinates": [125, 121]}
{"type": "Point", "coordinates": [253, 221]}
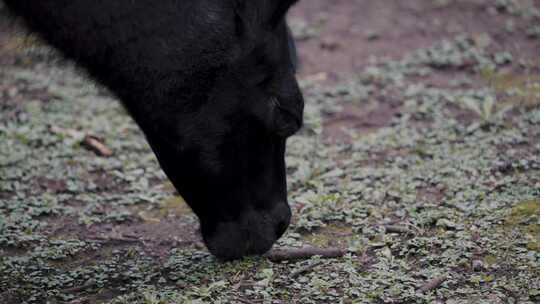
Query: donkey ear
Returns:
{"type": "Point", "coordinates": [262, 12]}
{"type": "Point", "coordinates": [279, 10]}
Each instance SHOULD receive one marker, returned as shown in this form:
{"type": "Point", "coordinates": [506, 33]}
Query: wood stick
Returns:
{"type": "Point", "coordinates": [397, 229]}
{"type": "Point", "coordinates": [100, 239]}
{"type": "Point", "coordinates": [305, 269]}
{"type": "Point", "coordinates": [246, 301]}
{"type": "Point", "coordinates": [75, 289]}
{"type": "Point", "coordinates": [78, 135]}
{"type": "Point", "coordinates": [83, 300]}
{"type": "Point", "coordinates": [90, 141]}
{"type": "Point", "coordinates": [279, 255]}
{"type": "Point", "coordinates": [97, 146]}
{"type": "Point", "coordinates": [433, 284]}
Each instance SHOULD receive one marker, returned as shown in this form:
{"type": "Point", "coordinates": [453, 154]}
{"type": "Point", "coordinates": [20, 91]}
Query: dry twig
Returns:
{"type": "Point", "coordinates": [90, 141]}
{"type": "Point", "coordinates": [397, 229]}
{"type": "Point", "coordinates": [279, 255]}
{"type": "Point", "coordinates": [433, 284]}
{"type": "Point", "coordinates": [247, 301]}
{"type": "Point", "coordinates": [305, 269]}
{"type": "Point", "coordinates": [90, 284]}
{"type": "Point", "coordinates": [83, 300]}
{"type": "Point", "coordinates": [100, 239]}
{"type": "Point", "coordinates": [66, 132]}
{"type": "Point", "coordinates": [94, 144]}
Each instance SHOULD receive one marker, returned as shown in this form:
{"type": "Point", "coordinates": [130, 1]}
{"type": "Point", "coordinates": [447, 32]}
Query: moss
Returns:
{"type": "Point", "coordinates": [342, 194]}
{"type": "Point", "coordinates": [523, 90]}
{"type": "Point", "coordinates": [534, 246]}
{"type": "Point", "coordinates": [174, 205]}
{"type": "Point", "coordinates": [525, 216]}
{"type": "Point", "coordinates": [330, 235]}
{"type": "Point", "coordinates": [490, 260]}
{"type": "Point", "coordinates": [523, 211]}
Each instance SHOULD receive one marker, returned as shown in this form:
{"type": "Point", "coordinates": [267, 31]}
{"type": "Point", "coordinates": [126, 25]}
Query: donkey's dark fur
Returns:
{"type": "Point", "coordinates": [211, 84]}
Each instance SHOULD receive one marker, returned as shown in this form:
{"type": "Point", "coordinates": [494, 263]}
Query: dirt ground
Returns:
{"type": "Point", "coordinates": [356, 32]}
{"type": "Point", "coordinates": [420, 156]}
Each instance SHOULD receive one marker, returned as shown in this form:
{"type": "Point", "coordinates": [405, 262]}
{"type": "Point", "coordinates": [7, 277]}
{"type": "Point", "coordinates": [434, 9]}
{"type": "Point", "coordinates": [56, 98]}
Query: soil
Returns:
{"type": "Point", "coordinates": [401, 27]}
{"type": "Point", "coordinates": [357, 31]}
{"type": "Point", "coordinates": [354, 34]}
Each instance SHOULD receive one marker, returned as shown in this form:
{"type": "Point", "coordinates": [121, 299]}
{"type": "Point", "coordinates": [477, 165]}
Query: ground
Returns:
{"type": "Point", "coordinates": [420, 156]}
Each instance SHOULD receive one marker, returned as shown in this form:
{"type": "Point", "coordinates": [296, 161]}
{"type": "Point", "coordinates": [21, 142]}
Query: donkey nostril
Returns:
{"type": "Point", "coordinates": [281, 228]}
{"type": "Point", "coordinates": [282, 213]}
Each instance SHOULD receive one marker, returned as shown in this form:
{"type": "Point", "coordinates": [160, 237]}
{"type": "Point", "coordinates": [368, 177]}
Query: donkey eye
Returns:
{"type": "Point", "coordinates": [274, 102]}
{"type": "Point", "coordinates": [265, 80]}
{"type": "Point", "coordinates": [262, 79]}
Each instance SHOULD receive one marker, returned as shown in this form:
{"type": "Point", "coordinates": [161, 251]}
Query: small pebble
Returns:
{"type": "Point", "coordinates": [477, 265]}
